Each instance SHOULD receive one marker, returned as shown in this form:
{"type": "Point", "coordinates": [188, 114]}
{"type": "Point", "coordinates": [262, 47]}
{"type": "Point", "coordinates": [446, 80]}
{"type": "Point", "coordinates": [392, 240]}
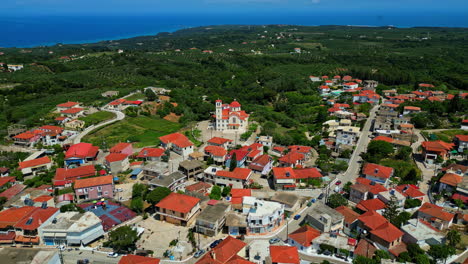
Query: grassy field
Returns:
{"type": "Point", "coordinates": [142, 130]}
{"type": "Point", "coordinates": [446, 135]}
{"type": "Point", "coordinates": [135, 97]}
{"type": "Point", "coordinates": [97, 117]}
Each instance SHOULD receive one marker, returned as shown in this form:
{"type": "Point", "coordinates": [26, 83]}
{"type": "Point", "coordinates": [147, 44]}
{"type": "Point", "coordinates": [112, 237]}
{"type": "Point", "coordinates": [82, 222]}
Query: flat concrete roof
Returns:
{"type": "Point", "coordinates": [213, 212]}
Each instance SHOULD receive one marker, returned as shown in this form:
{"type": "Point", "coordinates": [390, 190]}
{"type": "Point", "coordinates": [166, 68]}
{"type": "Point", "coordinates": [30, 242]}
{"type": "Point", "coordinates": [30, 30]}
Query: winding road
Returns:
{"type": "Point", "coordinates": [118, 116]}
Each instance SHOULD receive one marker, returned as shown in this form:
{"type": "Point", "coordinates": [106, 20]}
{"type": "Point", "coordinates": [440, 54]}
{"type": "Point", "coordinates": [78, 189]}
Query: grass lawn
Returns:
{"type": "Point", "coordinates": [446, 135]}
{"type": "Point", "coordinates": [142, 130]}
{"type": "Point", "coordinates": [136, 96]}
{"type": "Point", "coordinates": [97, 117]}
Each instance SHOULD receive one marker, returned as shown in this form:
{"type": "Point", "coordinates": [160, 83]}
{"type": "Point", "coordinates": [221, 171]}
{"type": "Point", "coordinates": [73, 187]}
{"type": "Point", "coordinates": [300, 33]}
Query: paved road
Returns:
{"type": "Point", "coordinates": [97, 258]}
{"type": "Point", "coordinates": [118, 116]}
{"type": "Point", "coordinates": [353, 168]}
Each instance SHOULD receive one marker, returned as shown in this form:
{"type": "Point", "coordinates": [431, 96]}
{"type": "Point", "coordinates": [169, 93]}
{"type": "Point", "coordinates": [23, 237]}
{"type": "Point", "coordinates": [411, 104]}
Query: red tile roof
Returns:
{"type": "Point", "coordinates": [64, 175]}
{"type": "Point", "coordinates": [378, 171]}
{"type": "Point", "coordinates": [373, 187]}
{"type": "Point", "coordinates": [219, 140]}
{"type": "Point", "coordinates": [303, 149]}
{"type": "Point", "coordinates": [426, 85]}
{"type": "Point", "coordinates": [228, 249]}
{"type": "Point", "coordinates": [365, 248]}
{"type": "Point", "coordinates": [349, 215]}
{"type": "Point", "coordinates": [178, 202]}
{"type": "Point", "coordinates": [237, 173]}
{"type": "Point", "coordinates": [95, 181]}
{"type": "Point", "coordinates": [371, 205]}
{"type": "Point", "coordinates": [201, 187]}
{"type": "Point", "coordinates": [12, 216]}
{"type": "Point", "coordinates": [5, 180]}
{"type": "Point", "coordinates": [216, 151]}
{"type": "Point", "coordinates": [151, 152]}
{"type": "Point", "coordinates": [135, 259]}
{"type": "Point", "coordinates": [113, 157]}
{"type": "Point", "coordinates": [372, 219]}
{"type": "Point", "coordinates": [304, 235]}
{"type": "Point", "coordinates": [307, 173]}
{"type": "Point", "coordinates": [72, 110]}
{"type": "Point", "coordinates": [437, 146]}
{"type": "Point", "coordinates": [409, 191]}
{"type": "Point", "coordinates": [38, 216]}
{"type": "Point", "coordinates": [119, 147]}
{"type": "Point", "coordinates": [81, 150]}
{"type": "Point", "coordinates": [55, 129]}
{"type": "Point", "coordinates": [42, 198]}
{"type": "Point", "coordinates": [238, 260]}
{"type": "Point", "coordinates": [451, 179]}
{"type": "Point", "coordinates": [291, 157]}
{"type": "Point", "coordinates": [282, 149]}
{"type": "Point", "coordinates": [383, 138]}
{"type": "Point", "coordinates": [12, 191]}
{"type": "Point", "coordinates": [434, 211]}
{"type": "Point", "coordinates": [387, 232]}
{"type": "Point", "coordinates": [177, 139]}
{"type": "Point", "coordinates": [463, 138]}
{"type": "Point", "coordinates": [284, 254]}
{"type": "Point", "coordinates": [67, 104]}
{"type": "Point", "coordinates": [240, 154]}
{"type": "Point", "coordinates": [34, 162]}
{"type": "Point", "coordinates": [260, 162]}
{"type": "Point", "coordinates": [412, 108]}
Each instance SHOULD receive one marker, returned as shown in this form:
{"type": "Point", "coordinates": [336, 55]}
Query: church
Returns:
{"type": "Point", "coordinates": [230, 117]}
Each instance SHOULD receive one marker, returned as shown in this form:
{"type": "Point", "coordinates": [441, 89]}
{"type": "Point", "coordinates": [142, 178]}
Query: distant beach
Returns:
{"type": "Point", "coordinates": [30, 31]}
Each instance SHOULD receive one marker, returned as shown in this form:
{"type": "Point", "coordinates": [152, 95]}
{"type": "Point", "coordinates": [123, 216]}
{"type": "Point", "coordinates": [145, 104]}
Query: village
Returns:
{"type": "Point", "coordinates": [233, 199]}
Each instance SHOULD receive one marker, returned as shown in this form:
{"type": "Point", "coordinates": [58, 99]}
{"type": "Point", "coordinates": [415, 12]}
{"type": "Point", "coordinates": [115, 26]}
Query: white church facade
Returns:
{"type": "Point", "coordinates": [230, 117]}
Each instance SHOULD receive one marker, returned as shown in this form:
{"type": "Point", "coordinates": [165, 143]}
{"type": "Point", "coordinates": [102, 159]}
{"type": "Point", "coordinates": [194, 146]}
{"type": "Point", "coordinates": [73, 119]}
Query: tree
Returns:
{"type": "Point", "coordinates": [401, 219]}
{"type": "Point", "coordinates": [335, 200]}
{"type": "Point", "coordinates": [233, 162]}
{"type": "Point", "coordinates": [215, 193]}
{"type": "Point", "coordinates": [440, 252]}
{"type": "Point", "coordinates": [363, 260]}
{"type": "Point", "coordinates": [422, 259]}
{"type": "Point", "coordinates": [404, 153]}
{"type": "Point", "coordinates": [414, 250]}
{"type": "Point", "coordinates": [139, 190]}
{"type": "Point", "coordinates": [122, 239]}
{"type": "Point", "coordinates": [381, 254]}
{"type": "Point", "coordinates": [411, 203]}
{"type": "Point", "coordinates": [71, 208]}
{"type": "Point", "coordinates": [404, 257]}
{"type": "Point", "coordinates": [150, 95]}
{"type": "Point", "coordinates": [226, 191]}
{"type": "Point", "coordinates": [453, 237]}
{"type": "Point", "coordinates": [157, 195]}
{"type": "Point", "coordinates": [391, 211]}
{"type": "Point", "coordinates": [347, 187]}
{"type": "Point", "coordinates": [137, 204]}
{"type": "Point", "coordinates": [377, 150]}
{"type": "Point", "coordinates": [459, 203]}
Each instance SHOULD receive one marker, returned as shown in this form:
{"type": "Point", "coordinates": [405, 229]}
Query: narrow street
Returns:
{"type": "Point", "coordinates": [118, 116]}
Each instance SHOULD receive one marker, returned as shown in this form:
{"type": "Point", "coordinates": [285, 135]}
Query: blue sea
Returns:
{"type": "Point", "coordinates": [30, 31]}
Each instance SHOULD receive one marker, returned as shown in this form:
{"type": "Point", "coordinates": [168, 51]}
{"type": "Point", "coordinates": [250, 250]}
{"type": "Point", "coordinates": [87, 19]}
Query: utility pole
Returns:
{"type": "Point", "coordinates": [61, 256]}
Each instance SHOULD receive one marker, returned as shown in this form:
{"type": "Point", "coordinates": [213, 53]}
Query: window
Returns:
{"type": "Point", "coordinates": [99, 188]}
{"type": "Point", "coordinates": [106, 193]}
{"type": "Point", "coordinates": [91, 188]}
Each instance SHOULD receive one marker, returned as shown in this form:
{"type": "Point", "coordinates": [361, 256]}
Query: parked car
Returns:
{"type": "Point", "coordinates": [296, 217]}
{"type": "Point", "coordinates": [338, 182]}
{"type": "Point", "coordinates": [320, 197]}
{"type": "Point", "coordinates": [112, 255]}
{"type": "Point", "coordinates": [61, 247]}
{"type": "Point", "coordinates": [119, 190]}
{"type": "Point", "coordinates": [199, 253]}
{"type": "Point", "coordinates": [215, 243]}
{"type": "Point", "coordinates": [274, 240]}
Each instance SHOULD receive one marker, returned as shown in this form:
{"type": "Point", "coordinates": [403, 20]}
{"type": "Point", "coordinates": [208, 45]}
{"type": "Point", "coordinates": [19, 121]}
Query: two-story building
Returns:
{"type": "Point", "coordinates": [117, 162]}
{"type": "Point", "coordinates": [64, 177]}
{"type": "Point", "coordinates": [178, 143]}
{"type": "Point", "coordinates": [324, 218]}
{"type": "Point", "coordinates": [220, 142]}
{"type": "Point", "coordinates": [238, 178]}
{"type": "Point", "coordinates": [94, 188]}
{"type": "Point", "coordinates": [346, 135]}
{"type": "Point", "coordinates": [377, 173]}
{"type": "Point", "coordinates": [178, 209]}
{"type": "Point", "coordinates": [81, 153]}
{"type": "Point", "coordinates": [217, 153]}
{"type": "Point", "coordinates": [262, 164]}
{"type": "Point", "coordinates": [350, 219]}
{"type": "Point", "coordinates": [35, 166]}
{"type": "Point", "coordinates": [263, 217]}
{"type": "Point", "coordinates": [67, 105]}
{"type": "Point", "coordinates": [122, 148]}
{"type": "Point", "coordinates": [434, 149]}
{"type": "Point", "coordinates": [211, 220]}
{"type": "Point", "coordinates": [303, 237]}
{"type": "Point", "coordinates": [151, 154]}
{"type": "Point", "coordinates": [365, 189]}
{"type": "Point", "coordinates": [174, 181]}
{"type": "Point", "coordinates": [435, 216]}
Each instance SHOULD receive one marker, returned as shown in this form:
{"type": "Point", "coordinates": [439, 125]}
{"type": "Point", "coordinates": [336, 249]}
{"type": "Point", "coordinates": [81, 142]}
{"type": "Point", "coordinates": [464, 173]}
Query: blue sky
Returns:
{"type": "Point", "coordinates": [17, 7]}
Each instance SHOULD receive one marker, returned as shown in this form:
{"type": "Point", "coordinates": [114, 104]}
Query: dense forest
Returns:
{"type": "Point", "coordinates": [257, 65]}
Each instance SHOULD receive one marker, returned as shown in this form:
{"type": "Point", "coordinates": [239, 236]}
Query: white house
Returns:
{"type": "Point", "coordinates": [350, 85]}
{"type": "Point", "coordinates": [314, 78]}
{"type": "Point", "coordinates": [263, 217]}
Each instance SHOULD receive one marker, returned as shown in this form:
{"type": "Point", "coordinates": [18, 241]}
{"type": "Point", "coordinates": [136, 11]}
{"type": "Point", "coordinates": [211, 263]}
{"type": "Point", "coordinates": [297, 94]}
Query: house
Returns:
{"type": "Point", "coordinates": [178, 209]}
{"type": "Point", "coordinates": [302, 238]}
{"type": "Point", "coordinates": [314, 78]}
{"type": "Point", "coordinates": [381, 232]}
{"type": "Point", "coordinates": [284, 255]}
{"type": "Point", "coordinates": [324, 89]}
{"type": "Point", "coordinates": [29, 197]}
{"type": "Point", "coordinates": [27, 138]}
{"type": "Point", "coordinates": [4, 171]}
{"type": "Point", "coordinates": [117, 104]}
{"type": "Point", "coordinates": [174, 181]}
{"type": "Point", "coordinates": [217, 153]}
{"type": "Point", "coordinates": [228, 251]}
{"type": "Point", "coordinates": [292, 159]}
{"type": "Point", "coordinates": [117, 162]}
{"type": "Point", "coordinates": [350, 218]}
{"type": "Point", "coordinates": [328, 83]}
{"type": "Point", "coordinates": [237, 195]}
{"type": "Point", "coordinates": [286, 178]}
{"type": "Point", "coordinates": [262, 216]}
{"type": "Point", "coordinates": [324, 218]}
{"type": "Point", "coordinates": [238, 178]}
{"type": "Point", "coordinates": [346, 135]}
{"type": "Point", "coordinates": [436, 216]}
{"type": "Point", "coordinates": [151, 154]}
{"type": "Point", "coordinates": [262, 164]}
{"type": "Point", "coordinates": [420, 232]}
{"type": "Point", "coordinates": [94, 188]}
{"type": "Point", "coordinates": [366, 96]}
{"type": "Point", "coordinates": [461, 143]}
{"type": "Point", "coordinates": [266, 141]}
{"type": "Point", "coordinates": [64, 177]}
{"type": "Point", "coordinates": [25, 221]}
{"type": "Point", "coordinates": [136, 259]}
{"type": "Point", "coordinates": [72, 228]}
{"type": "Point", "coordinates": [6, 179]}
{"type": "Point", "coordinates": [364, 189]}
{"type": "Point", "coordinates": [35, 166]}
{"type": "Point", "coordinates": [230, 117]}
{"type": "Point", "coordinates": [211, 220]}
{"type": "Point", "coordinates": [122, 148]}
{"type": "Point", "coordinates": [408, 110]}
{"type": "Point", "coordinates": [81, 153]}
{"type": "Point", "coordinates": [239, 154]}
{"type": "Point", "coordinates": [110, 94]}
{"type": "Point", "coordinates": [410, 191]}
{"type": "Point", "coordinates": [73, 112]}
{"type": "Point", "coordinates": [154, 169]}
{"type": "Point", "coordinates": [12, 191]}
{"type": "Point", "coordinates": [371, 205]}
{"type": "Point", "coordinates": [350, 85]}
{"type": "Point", "coordinates": [449, 182]}
{"type": "Point", "coordinates": [365, 248]}
{"type": "Point", "coordinates": [178, 143]}
{"type": "Point", "coordinates": [336, 240]}
{"type": "Point", "coordinates": [388, 93]}
{"type": "Point", "coordinates": [220, 142]}
{"type": "Point", "coordinates": [199, 187]}
{"type": "Point", "coordinates": [378, 173]}
{"type": "Point", "coordinates": [434, 149]}
{"type": "Point", "coordinates": [74, 124]}
{"type": "Point", "coordinates": [191, 168]}
{"type": "Point", "coordinates": [15, 67]}
{"type": "Point", "coordinates": [52, 134]}
{"type": "Point", "coordinates": [464, 124]}
{"type": "Point", "coordinates": [292, 203]}
{"type": "Point", "coordinates": [386, 196]}
{"type": "Point", "coordinates": [67, 105]}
